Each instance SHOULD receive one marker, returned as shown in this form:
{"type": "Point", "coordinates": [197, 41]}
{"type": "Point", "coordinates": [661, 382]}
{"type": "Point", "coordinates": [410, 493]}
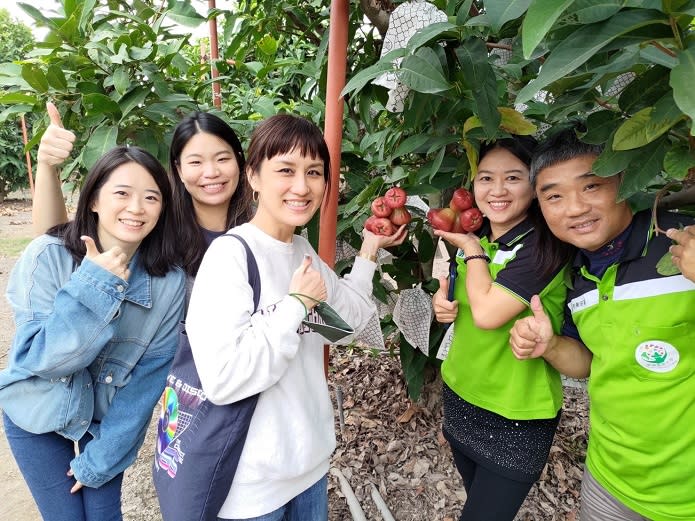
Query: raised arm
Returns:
{"type": "Point", "coordinates": [48, 205]}
{"type": "Point", "coordinates": [491, 306]}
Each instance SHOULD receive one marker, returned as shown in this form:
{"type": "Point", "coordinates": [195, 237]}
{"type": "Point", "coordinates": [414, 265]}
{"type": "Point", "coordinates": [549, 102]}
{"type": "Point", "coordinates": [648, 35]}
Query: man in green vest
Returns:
{"type": "Point", "coordinates": [630, 328]}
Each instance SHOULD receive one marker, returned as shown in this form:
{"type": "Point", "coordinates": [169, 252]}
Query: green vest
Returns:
{"type": "Point", "coordinates": [480, 366]}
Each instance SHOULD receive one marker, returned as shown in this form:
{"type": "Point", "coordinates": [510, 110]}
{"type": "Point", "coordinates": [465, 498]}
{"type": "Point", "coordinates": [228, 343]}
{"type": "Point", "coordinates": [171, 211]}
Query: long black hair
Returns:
{"type": "Point", "coordinates": [157, 252]}
{"type": "Point", "coordinates": [191, 236]}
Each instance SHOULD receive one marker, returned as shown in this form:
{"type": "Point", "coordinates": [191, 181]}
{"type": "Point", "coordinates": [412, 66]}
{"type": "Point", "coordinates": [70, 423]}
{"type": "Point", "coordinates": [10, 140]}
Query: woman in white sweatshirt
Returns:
{"type": "Point", "coordinates": [238, 352]}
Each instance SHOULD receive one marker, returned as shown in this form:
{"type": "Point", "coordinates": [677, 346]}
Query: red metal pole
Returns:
{"type": "Point", "coordinates": [28, 156]}
{"type": "Point", "coordinates": [333, 130]}
{"type": "Point", "coordinates": [214, 56]}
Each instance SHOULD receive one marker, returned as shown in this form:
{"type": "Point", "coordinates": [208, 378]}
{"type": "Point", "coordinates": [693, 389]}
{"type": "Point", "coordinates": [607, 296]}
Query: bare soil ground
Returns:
{"type": "Point", "coordinates": [384, 440]}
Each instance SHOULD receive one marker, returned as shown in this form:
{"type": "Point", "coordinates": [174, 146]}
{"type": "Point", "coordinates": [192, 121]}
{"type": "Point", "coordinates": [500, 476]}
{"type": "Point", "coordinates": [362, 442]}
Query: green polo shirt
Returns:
{"type": "Point", "coordinates": [640, 327]}
{"type": "Point", "coordinates": [480, 366]}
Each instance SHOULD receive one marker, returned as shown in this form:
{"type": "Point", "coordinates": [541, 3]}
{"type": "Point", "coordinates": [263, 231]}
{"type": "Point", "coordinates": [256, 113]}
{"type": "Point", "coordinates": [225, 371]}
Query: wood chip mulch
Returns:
{"type": "Point", "coordinates": [397, 446]}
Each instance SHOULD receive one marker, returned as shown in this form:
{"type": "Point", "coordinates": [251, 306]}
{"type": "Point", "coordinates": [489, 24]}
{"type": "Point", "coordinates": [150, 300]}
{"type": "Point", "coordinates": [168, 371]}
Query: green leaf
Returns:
{"type": "Point", "coordinates": [645, 90]}
{"type": "Point", "coordinates": [592, 11]}
{"type": "Point", "coordinates": [682, 82]}
{"type": "Point", "coordinates": [132, 99]}
{"type": "Point", "coordinates": [666, 267]}
{"type": "Point", "coordinates": [514, 122]}
{"type": "Point", "coordinates": [385, 64]}
{"type": "Point", "coordinates": [422, 72]}
{"type": "Point", "coordinates": [35, 78]}
{"type": "Point", "coordinates": [431, 32]}
{"type": "Point", "coordinates": [121, 80]}
{"type": "Point", "coordinates": [647, 124]}
{"type": "Point", "coordinates": [56, 78]}
{"type": "Point", "coordinates": [499, 12]}
{"type": "Point", "coordinates": [100, 104]}
{"type": "Point", "coordinates": [101, 141]}
{"type": "Point", "coordinates": [600, 125]}
{"type": "Point", "coordinates": [585, 43]}
{"type": "Point", "coordinates": [644, 166]}
{"type": "Point", "coordinates": [678, 161]}
{"type": "Point", "coordinates": [611, 162]}
{"type": "Point", "coordinates": [365, 197]}
{"type": "Point", "coordinates": [540, 17]}
{"type": "Point", "coordinates": [87, 14]}
{"type": "Point", "coordinates": [268, 45]}
{"type": "Point", "coordinates": [397, 173]}
{"type": "Point", "coordinates": [185, 14]}
{"type": "Point", "coordinates": [426, 247]}
{"type": "Point", "coordinates": [14, 98]}
{"type": "Point", "coordinates": [480, 76]}
{"type": "Point", "coordinates": [37, 15]}
{"type": "Point", "coordinates": [655, 55]}
{"type": "Point", "coordinates": [411, 144]}
{"type": "Point", "coordinates": [413, 364]}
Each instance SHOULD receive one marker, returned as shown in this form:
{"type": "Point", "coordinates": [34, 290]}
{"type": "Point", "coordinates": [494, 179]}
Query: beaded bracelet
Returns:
{"type": "Point", "coordinates": [484, 257]}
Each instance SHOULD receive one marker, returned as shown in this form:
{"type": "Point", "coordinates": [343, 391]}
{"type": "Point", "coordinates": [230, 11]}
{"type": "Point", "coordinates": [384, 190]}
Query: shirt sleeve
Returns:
{"type": "Point", "coordinates": [351, 295]}
{"type": "Point", "coordinates": [50, 341]}
{"type": "Point", "coordinates": [518, 275]}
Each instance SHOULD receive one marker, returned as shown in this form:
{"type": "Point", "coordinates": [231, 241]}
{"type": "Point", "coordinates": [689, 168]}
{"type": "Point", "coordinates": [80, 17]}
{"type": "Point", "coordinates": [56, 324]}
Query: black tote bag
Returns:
{"type": "Point", "coordinates": [199, 443]}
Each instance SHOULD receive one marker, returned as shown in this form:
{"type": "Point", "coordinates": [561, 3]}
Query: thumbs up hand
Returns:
{"type": "Point", "coordinates": [57, 142]}
{"type": "Point", "coordinates": [308, 282]}
{"type": "Point", "coordinates": [531, 336]}
{"type": "Point", "coordinates": [114, 260]}
{"type": "Point", "coordinates": [444, 310]}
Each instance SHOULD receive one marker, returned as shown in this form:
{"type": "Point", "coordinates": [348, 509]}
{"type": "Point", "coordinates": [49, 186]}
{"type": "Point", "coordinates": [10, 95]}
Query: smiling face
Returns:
{"type": "Point", "coordinates": [290, 189]}
{"type": "Point", "coordinates": [502, 190]}
{"type": "Point", "coordinates": [580, 207]}
{"type": "Point", "coordinates": [128, 206]}
{"type": "Point", "coordinates": [209, 170]}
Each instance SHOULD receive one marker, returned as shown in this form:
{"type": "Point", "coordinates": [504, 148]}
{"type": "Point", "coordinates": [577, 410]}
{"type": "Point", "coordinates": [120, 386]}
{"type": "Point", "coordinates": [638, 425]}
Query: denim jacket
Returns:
{"type": "Point", "coordinates": [91, 352]}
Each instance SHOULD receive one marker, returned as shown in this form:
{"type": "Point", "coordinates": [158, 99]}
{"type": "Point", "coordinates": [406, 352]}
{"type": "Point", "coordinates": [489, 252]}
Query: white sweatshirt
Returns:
{"type": "Point", "coordinates": [238, 354]}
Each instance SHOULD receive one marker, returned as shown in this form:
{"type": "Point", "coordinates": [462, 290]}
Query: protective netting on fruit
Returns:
{"type": "Point", "coordinates": [413, 316]}
{"type": "Point", "coordinates": [404, 22]}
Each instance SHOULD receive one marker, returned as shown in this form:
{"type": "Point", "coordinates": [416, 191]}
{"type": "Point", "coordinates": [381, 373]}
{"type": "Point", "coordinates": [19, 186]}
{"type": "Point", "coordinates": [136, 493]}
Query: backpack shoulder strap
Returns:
{"type": "Point", "coordinates": [252, 268]}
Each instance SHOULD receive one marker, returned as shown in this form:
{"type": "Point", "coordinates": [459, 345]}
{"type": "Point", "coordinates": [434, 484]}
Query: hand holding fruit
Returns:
{"type": "Point", "coordinates": [388, 213]}
{"type": "Point", "coordinates": [469, 243]}
{"type": "Point", "coordinates": [459, 217]}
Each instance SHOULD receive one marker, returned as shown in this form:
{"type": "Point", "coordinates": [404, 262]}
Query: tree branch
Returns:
{"type": "Point", "coordinates": [685, 197]}
{"type": "Point", "coordinates": [378, 12]}
{"type": "Point", "coordinates": [663, 49]}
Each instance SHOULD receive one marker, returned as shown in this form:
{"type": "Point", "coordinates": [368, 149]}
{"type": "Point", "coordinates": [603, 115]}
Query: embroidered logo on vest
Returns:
{"type": "Point", "coordinates": [657, 356]}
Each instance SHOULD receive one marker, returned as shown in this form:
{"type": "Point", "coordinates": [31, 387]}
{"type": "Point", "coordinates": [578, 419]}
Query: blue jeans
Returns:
{"type": "Point", "coordinates": [44, 460]}
{"type": "Point", "coordinates": [310, 505]}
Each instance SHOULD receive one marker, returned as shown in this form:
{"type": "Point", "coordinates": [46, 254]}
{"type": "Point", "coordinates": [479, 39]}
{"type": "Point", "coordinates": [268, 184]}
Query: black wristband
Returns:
{"type": "Point", "coordinates": [483, 257]}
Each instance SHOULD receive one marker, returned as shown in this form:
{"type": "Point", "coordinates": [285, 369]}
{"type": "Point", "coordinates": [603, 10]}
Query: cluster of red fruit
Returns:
{"type": "Point", "coordinates": [459, 217]}
{"type": "Point", "coordinates": [388, 212]}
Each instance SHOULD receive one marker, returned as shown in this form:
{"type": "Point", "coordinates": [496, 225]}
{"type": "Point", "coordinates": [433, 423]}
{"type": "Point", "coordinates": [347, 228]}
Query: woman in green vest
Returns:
{"type": "Point", "coordinates": [500, 414]}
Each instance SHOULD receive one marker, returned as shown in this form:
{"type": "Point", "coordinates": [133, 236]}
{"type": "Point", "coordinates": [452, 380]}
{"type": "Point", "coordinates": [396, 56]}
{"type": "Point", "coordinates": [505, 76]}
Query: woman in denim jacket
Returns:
{"type": "Point", "coordinates": [97, 302]}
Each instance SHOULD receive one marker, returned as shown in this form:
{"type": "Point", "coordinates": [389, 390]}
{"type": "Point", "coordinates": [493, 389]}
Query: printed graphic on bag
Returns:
{"type": "Point", "coordinates": [178, 406]}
